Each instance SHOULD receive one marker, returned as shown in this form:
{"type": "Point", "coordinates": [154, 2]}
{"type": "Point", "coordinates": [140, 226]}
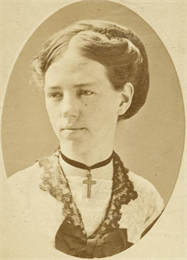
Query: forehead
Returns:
{"type": "Point", "coordinates": [74, 68]}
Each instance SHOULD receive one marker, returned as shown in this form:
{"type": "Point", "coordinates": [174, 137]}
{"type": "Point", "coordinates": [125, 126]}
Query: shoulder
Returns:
{"type": "Point", "coordinates": [33, 203]}
{"type": "Point", "coordinates": [149, 198]}
{"type": "Point", "coordinates": [142, 212]}
{"type": "Point", "coordinates": [23, 182]}
{"type": "Point", "coordinates": [26, 176]}
{"type": "Point", "coordinates": [144, 188]}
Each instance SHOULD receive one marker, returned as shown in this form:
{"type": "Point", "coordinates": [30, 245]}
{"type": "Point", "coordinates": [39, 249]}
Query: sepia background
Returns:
{"type": "Point", "coordinates": [150, 144]}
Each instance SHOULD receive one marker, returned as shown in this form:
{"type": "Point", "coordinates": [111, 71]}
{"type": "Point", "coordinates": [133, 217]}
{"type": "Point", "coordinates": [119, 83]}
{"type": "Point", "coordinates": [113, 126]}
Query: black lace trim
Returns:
{"type": "Point", "coordinates": [55, 182]}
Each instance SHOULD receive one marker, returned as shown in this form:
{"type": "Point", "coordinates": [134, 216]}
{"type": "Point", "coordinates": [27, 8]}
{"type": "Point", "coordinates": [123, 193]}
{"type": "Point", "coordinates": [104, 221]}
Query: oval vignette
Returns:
{"type": "Point", "coordinates": [153, 138]}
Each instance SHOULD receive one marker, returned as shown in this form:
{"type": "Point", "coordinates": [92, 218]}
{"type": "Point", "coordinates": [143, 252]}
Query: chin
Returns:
{"type": "Point", "coordinates": [76, 146]}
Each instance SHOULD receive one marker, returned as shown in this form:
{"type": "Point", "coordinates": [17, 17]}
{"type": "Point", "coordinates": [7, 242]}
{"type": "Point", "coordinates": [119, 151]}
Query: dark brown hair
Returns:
{"type": "Point", "coordinates": [116, 47]}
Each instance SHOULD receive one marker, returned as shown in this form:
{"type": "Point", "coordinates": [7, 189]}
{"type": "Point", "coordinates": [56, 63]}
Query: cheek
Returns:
{"type": "Point", "coordinates": [48, 109]}
{"type": "Point", "coordinates": [107, 109]}
{"type": "Point", "coordinates": [51, 111]}
{"type": "Point", "coordinates": [102, 115]}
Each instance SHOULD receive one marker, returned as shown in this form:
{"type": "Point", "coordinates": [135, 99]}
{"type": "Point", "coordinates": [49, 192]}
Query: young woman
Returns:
{"type": "Point", "coordinates": [86, 203]}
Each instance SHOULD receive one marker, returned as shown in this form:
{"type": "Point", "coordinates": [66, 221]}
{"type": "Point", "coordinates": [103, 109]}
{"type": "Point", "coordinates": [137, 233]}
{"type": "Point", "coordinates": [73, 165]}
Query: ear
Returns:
{"type": "Point", "coordinates": [126, 96]}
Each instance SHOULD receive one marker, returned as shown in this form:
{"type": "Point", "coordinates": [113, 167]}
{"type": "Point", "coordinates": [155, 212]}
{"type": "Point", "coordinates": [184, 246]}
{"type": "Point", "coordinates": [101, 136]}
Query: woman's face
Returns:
{"type": "Point", "coordinates": [81, 103]}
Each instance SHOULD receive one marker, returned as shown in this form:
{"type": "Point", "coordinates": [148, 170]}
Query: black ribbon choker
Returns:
{"type": "Point", "coordinates": [89, 182]}
{"type": "Point", "coordinates": [84, 166]}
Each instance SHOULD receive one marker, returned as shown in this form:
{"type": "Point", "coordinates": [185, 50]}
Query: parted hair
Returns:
{"type": "Point", "coordinates": [116, 47]}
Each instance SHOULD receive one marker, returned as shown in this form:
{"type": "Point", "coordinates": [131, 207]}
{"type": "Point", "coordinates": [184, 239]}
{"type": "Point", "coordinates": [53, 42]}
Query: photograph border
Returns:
{"type": "Point", "coordinates": [176, 206]}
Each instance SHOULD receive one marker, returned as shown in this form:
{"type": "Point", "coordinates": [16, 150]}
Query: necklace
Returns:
{"type": "Point", "coordinates": [54, 182]}
{"type": "Point", "coordinates": [89, 182]}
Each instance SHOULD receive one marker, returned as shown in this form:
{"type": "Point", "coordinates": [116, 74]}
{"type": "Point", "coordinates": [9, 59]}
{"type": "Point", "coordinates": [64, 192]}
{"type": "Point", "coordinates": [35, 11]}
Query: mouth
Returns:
{"type": "Point", "coordinates": [72, 132]}
{"type": "Point", "coordinates": [73, 129]}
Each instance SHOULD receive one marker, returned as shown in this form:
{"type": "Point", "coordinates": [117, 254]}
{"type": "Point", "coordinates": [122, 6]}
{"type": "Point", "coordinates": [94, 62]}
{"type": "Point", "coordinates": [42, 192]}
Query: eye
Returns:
{"type": "Point", "coordinates": [85, 92]}
{"type": "Point", "coordinates": [55, 95]}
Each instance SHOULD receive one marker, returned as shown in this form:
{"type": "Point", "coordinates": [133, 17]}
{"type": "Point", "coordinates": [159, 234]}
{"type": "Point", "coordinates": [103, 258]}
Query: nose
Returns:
{"type": "Point", "coordinates": [70, 106]}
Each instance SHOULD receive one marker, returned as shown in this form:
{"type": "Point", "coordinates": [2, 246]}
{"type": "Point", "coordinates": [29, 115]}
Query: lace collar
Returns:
{"type": "Point", "coordinates": [54, 181]}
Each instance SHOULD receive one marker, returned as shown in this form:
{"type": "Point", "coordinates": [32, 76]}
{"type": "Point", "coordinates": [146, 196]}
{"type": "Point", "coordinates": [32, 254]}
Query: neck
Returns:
{"type": "Point", "coordinates": [90, 157]}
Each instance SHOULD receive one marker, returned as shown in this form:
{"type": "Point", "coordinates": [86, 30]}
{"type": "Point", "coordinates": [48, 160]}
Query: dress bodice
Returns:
{"type": "Point", "coordinates": [72, 237]}
{"type": "Point", "coordinates": [47, 198]}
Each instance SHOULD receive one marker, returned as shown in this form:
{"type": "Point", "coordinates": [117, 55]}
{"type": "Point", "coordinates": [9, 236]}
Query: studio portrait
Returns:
{"type": "Point", "coordinates": [97, 123]}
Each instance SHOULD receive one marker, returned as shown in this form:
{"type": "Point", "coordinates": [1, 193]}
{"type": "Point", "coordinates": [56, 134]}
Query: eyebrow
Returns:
{"type": "Point", "coordinates": [53, 87]}
{"type": "Point", "coordinates": [86, 84]}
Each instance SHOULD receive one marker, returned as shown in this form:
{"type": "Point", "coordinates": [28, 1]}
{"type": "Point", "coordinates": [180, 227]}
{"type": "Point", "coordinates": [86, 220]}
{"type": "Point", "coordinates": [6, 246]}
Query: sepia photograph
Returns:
{"type": "Point", "coordinates": [93, 129]}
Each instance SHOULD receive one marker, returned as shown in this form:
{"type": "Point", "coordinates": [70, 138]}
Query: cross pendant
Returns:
{"type": "Point", "coordinates": [89, 183]}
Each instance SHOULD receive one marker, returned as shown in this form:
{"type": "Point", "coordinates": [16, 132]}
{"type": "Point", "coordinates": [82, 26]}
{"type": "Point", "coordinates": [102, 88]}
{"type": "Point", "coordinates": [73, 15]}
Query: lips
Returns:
{"type": "Point", "coordinates": [73, 133]}
{"type": "Point", "coordinates": [73, 128]}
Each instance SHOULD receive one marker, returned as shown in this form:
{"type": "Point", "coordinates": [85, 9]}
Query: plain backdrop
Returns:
{"type": "Point", "coordinates": [150, 144]}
